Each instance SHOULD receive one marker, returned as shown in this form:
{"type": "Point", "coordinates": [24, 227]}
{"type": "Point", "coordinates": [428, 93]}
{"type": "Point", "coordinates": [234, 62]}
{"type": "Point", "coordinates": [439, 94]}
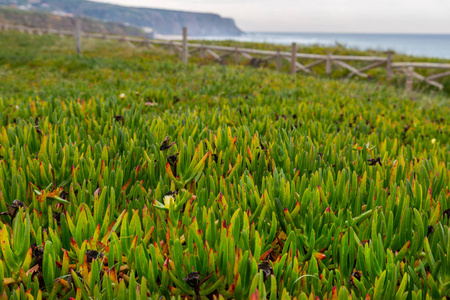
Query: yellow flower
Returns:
{"type": "Point", "coordinates": [433, 141]}
{"type": "Point", "coordinates": [168, 201]}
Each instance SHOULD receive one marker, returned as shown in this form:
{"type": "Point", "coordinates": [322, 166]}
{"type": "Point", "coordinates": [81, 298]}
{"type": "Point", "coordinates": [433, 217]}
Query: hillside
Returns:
{"type": "Point", "coordinates": [167, 22]}
{"type": "Point", "coordinates": [51, 21]}
{"type": "Point", "coordinates": [125, 174]}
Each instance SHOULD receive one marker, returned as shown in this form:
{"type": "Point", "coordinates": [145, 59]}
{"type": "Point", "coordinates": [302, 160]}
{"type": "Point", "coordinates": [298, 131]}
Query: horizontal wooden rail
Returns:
{"type": "Point", "coordinates": [220, 53]}
{"type": "Point", "coordinates": [423, 65]}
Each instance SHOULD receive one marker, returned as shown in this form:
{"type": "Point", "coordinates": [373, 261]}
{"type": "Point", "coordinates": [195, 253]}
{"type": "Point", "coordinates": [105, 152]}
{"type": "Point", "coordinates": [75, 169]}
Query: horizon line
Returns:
{"type": "Point", "coordinates": [343, 32]}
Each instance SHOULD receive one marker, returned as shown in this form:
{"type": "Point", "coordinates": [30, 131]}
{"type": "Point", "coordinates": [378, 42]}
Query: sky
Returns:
{"type": "Point", "coordinates": [352, 16]}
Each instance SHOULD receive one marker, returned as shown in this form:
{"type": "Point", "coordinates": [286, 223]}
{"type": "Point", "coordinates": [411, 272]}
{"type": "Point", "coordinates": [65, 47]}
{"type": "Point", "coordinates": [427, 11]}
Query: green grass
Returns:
{"type": "Point", "coordinates": [286, 186]}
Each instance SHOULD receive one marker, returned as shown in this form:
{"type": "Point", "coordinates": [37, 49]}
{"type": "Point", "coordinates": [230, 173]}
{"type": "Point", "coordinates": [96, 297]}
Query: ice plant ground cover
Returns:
{"type": "Point", "coordinates": [124, 174]}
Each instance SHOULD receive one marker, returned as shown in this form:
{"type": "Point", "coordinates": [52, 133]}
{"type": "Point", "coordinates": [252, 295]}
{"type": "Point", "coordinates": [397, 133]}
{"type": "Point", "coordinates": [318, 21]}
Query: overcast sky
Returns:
{"type": "Point", "coordinates": [374, 16]}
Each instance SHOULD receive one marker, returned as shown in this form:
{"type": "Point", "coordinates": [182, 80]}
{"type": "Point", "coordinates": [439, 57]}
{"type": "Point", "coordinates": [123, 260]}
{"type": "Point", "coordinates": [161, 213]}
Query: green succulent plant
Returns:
{"type": "Point", "coordinates": [267, 187]}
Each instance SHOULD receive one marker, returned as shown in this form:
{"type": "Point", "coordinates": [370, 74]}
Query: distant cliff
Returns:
{"type": "Point", "coordinates": [167, 22]}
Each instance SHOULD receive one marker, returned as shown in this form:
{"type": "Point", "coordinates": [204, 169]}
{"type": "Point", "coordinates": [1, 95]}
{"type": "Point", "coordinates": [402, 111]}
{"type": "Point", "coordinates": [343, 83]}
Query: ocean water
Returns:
{"type": "Point", "coordinates": [427, 45]}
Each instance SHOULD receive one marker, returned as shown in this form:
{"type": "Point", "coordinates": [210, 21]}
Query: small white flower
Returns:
{"type": "Point", "coordinates": [122, 95]}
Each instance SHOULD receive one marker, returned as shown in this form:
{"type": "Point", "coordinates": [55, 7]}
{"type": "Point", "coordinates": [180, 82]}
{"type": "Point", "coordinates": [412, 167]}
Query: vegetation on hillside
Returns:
{"type": "Point", "coordinates": [125, 174]}
{"type": "Point", "coordinates": [13, 16]}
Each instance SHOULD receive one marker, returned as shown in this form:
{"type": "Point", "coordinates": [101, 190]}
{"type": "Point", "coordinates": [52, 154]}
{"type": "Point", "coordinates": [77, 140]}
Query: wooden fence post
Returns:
{"type": "Point", "coordinates": [184, 53]}
{"type": "Point", "coordinates": [293, 58]}
{"type": "Point", "coordinates": [78, 34]}
{"type": "Point", "coordinates": [278, 60]}
{"type": "Point", "coordinates": [236, 55]}
{"type": "Point", "coordinates": [171, 48]}
{"type": "Point", "coordinates": [202, 51]}
{"type": "Point", "coordinates": [329, 63]}
{"type": "Point", "coordinates": [409, 79]}
{"type": "Point", "coordinates": [389, 65]}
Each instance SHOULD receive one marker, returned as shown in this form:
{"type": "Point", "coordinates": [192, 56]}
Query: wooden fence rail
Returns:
{"type": "Point", "coordinates": [259, 57]}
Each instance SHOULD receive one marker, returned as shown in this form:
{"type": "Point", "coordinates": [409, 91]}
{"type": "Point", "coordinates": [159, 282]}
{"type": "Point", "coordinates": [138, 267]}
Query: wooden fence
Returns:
{"type": "Point", "coordinates": [261, 57]}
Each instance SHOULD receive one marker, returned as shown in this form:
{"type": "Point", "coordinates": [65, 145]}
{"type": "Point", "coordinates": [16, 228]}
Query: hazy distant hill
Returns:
{"type": "Point", "coordinates": [46, 20]}
{"type": "Point", "coordinates": [163, 21]}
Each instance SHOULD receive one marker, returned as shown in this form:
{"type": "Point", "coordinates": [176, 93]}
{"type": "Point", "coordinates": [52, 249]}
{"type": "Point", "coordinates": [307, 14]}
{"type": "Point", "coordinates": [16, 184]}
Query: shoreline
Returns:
{"type": "Point", "coordinates": [414, 45]}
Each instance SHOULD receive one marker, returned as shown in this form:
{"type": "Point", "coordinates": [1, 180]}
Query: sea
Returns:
{"type": "Point", "coordinates": [422, 45]}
